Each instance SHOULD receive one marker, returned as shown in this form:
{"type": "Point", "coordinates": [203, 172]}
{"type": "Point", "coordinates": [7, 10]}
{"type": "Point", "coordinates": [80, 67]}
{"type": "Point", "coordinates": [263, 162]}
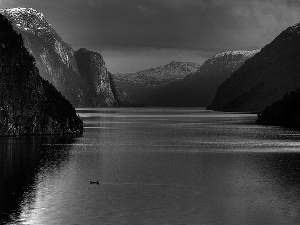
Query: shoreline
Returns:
{"type": "Point", "coordinates": [78, 132]}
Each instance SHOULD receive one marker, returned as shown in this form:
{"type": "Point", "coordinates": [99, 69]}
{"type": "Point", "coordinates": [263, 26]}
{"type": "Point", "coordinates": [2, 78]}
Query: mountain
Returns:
{"type": "Point", "coordinates": [57, 63]}
{"type": "Point", "coordinates": [198, 88]}
{"type": "Point", "coordinates": [285, 112]}
{"type": "Point", "coordinates": [159, 76]}
{"type": "Point", "coordinates": [264, 78]}
{"type": "Point", "coordinates": [141, 85]}
{"type": "Point", "coordinates": [102, 90]}
{"type": "Point", "coordinates": [28, 103]}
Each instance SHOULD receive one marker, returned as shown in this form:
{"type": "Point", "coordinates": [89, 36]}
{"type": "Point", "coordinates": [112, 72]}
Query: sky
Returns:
{"type": "Point", "coordinates": [133, 35]}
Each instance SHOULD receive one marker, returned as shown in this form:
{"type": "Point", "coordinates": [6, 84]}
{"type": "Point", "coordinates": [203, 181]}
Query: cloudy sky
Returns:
{"type": "Point", "coordinates": [139, 34]}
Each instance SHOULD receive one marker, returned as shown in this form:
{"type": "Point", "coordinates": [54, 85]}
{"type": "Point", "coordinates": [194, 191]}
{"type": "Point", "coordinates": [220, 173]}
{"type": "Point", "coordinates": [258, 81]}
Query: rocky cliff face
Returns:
{"type": "Point", "coordinates": [142, 85]}
{"type": "Point", "coordinates": [199, 88]}
{"type": "Point", "coordinates": [56, 60]}
{"type": "Point", "coordinates": [264, 78]}
{"type": "Point", "coordinates": [28, 103]}
{"type": "Point", "coordinates": [92, 67]}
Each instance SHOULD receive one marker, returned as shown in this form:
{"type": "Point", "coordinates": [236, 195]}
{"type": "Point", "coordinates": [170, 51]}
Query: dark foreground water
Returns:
{"type": "Point", "coordinates": [154, 166]}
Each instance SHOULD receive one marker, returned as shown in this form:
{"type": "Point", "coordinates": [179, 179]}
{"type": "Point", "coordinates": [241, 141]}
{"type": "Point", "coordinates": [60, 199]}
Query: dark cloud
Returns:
{"type": "Point", "coordinates": [189, 25]}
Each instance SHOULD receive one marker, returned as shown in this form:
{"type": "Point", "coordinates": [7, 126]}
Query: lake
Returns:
{"type": "Point", "coordinates": [154, 166]}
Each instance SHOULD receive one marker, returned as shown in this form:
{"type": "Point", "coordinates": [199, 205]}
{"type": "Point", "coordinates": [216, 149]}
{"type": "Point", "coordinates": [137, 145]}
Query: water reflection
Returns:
{"type": "Point", "coordinates": [264, 188]}
{"type": "Point", "coordinates": [155, 167]}
{"type": "Point", "coordinates": [24, 161]}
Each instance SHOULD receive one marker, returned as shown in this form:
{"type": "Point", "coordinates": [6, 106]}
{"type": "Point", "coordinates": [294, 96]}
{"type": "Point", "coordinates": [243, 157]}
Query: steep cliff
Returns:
{"type": "Point", "coordinates": [56, 60]}
{"type": "Point", "coordinates": [92, 68]}
{"type": "Point", "coordinates": [28, 103]}
{"type": "Point", "coordinates": [264, 78]}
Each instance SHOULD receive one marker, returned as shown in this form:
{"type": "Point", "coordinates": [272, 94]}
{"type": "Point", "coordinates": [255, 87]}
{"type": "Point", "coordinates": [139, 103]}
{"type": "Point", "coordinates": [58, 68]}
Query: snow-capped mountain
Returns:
{"type": "Point", "coordinates": [56, 60]}
{"type": "Point", "coordinates": [221, 65]}
{"type": "Point", "coordinates": [264, 78]}
{"type": "Point", "coordinates": [140, 86]}
{"type": "Point", "coordinates": [159, 76]}
{"type": "Point", "coordinates": [198, 88]}
{"type": "Point", "coordinates": [29, 20]}
{"type": "Point", "coordinates": [226, 60]}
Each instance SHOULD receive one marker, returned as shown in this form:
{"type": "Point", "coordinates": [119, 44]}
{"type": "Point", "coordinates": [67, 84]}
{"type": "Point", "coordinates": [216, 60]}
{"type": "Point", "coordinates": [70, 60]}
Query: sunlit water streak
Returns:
{"type": "Point", "coordinates": [154, 166]}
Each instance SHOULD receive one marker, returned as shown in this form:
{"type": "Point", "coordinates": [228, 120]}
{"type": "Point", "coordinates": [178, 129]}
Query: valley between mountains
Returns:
{"type": "Point", "coordinates": [234, 80]}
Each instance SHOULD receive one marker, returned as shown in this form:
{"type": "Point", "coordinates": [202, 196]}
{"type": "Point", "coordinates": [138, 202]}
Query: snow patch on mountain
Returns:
{"type": "Point", "coordinates": [231, 59]}
{"type": "Point", "coordinates": [57, 63]}
{"type": "Point", "coordinates": [162, 75]}
{"type": "Point", "coordinates": [239, 52]}
{"type": "Point", "coordinates": [294, 28]}
{"type": "Point", "coordinates": [28, 19]}
{"type": "Point", "coordinates": [33, 22]}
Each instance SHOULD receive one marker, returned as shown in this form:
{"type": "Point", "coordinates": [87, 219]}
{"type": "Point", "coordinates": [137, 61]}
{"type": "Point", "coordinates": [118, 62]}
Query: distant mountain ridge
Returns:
{"type": "Point", "coordinates": [159, 76]}
{"type": "Point", "coordinates": [57, 63]}
{"type": "Point", "coordinates": [227, 59]}
{"type": "Point", "coordinates": [198, 88]}
{"type": "Point", "coordinates": [264, 78]}
{"type": "Point", "coordinates": [202, 85]}
{"type": "Point", "coordinates": [141, 84]}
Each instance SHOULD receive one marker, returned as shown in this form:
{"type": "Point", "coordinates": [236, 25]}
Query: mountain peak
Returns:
{"type": "Point", "coordinates": [244, 53]}
{"type": "Point", "coordinates": [173, 71]}
{"type": "Point", "coordinates": [83, 50]}
{"type": "Point", "coordinates": [57, 63]}
{"type": "Point", "coordinates": [295, 27]}
{"type": "Point", "coordinates": [265, 78]}
{"type": "Point", "coordinates": [28, 20]}
{"type": "Point", "coordinates": [24, 11]}
{"type": "Point", "coordinates": [89, 52]}
{"type": "Point", "coordinates": [174, 62]}
{"type": "Point", "coordinates": [289, 35]}
{"type": "Point", "coordinates": [232, 59]}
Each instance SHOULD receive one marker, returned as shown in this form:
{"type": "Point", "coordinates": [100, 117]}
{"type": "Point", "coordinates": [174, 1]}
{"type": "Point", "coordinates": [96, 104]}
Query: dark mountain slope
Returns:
{"type": "Point", "coordinates": [285, 112]}
{"type": "Point", "coordinates": [92, 68]}
{"type": "Point", "coordinates": [198, 89]}
{"type": "Point", "coordinates": [29, 104]}
{"type": "Point", "coordinates": [57, 63]}
{"type": "Point", "coordinates": [264, 78]}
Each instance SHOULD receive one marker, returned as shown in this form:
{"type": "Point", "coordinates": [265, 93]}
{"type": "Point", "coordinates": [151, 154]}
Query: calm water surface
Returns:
{"type": "Point", "coordinates": [154, 166]}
